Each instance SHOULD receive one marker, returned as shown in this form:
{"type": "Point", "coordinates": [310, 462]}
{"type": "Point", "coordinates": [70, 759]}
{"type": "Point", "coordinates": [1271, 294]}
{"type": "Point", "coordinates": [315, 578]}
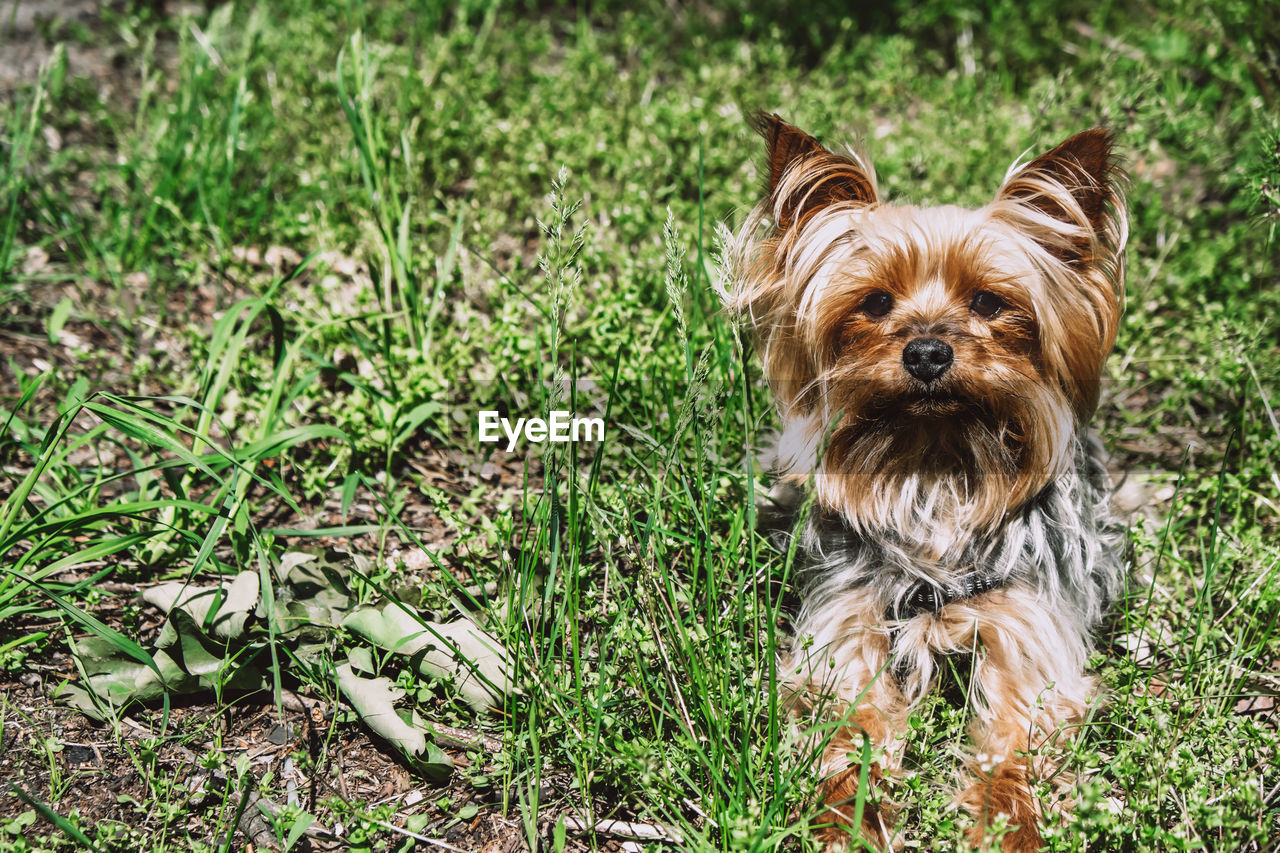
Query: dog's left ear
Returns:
{"type": "Point", "coordinates": [804, 177]}
{"type": "Point", "coordinates": [1074, 184]}
{"type": "Point", "coordinates": [1069, 201]}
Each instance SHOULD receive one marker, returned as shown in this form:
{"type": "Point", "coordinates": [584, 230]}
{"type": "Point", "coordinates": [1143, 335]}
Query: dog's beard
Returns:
{"type": "Point", "coordinates": [929, 464]}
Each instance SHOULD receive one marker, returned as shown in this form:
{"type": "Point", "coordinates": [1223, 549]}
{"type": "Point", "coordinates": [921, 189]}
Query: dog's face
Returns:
{"type": "Point", "coordinates": [955, 349]}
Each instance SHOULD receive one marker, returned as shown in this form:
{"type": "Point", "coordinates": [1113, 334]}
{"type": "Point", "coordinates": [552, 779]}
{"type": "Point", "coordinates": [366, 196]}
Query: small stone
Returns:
{"type": "Point", "coordinates": [280, 735]}
{"type": "Point", "coordinates": [75, 754]}
{"type": "Point", "coordinates": [34, 260]}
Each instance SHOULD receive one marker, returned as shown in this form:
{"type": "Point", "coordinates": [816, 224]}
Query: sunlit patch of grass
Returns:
{"type": "Point", "coordinates": [498, 209]}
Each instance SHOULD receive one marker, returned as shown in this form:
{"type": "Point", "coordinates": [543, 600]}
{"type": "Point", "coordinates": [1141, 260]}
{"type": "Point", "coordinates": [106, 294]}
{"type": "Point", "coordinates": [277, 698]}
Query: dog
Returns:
{"type": "Point", "coordinates": [935, 370]}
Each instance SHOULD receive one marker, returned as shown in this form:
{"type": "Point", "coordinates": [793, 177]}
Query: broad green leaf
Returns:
{"type": "Point", "coordinates": [374, 700]}
{"type": "Point", "coordinates": [475, 662]}
{"type": "Point", "coordinates": [300, 825]}
{"type": "Point", "coordinates": [361, 659]}
{"type": "Point", "coordinates": [290, 560]}
{"type": "Point", "coordinates": [117, 679]}
{"type": "Point", "coordinates": [57, 319]}
{"type": "Point", "coordinates": [313, 597]}
{"type": "Point", "coordinates": [224, 609]}
{"type": "Point", "coordinates": [199, 656]}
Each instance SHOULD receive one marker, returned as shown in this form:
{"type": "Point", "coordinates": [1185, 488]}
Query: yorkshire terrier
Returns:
{"type": "Point", "coordinates": [934, 371]}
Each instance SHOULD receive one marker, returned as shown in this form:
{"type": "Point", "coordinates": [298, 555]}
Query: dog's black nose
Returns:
{"type": "Point", "coordinates": [927, 358]}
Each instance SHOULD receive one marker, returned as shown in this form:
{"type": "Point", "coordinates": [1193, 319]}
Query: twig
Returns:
{"type": "Point", "coordinates": [313, 709]}
{"type": "Point", "coordinates": [415, 836]}
{"type": "Point", "coordinates": [253, 822]}
{"type": "Point", "coordinates": [626, 829]}
{"type": "Point", "coordinates": [465, 738]}
{"type": "Point", "coordinates": [342, 776]}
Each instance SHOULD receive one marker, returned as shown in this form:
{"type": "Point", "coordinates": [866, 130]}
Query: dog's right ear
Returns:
{"type": "Point", "coordinates": [804, 177]}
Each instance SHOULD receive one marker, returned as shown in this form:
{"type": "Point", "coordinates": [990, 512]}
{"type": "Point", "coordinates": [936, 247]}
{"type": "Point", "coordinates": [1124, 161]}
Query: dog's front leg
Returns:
{"type": "Point", "coordinates": [1032, 695]}
{"type": "Point", "coordinates": [841, 682]}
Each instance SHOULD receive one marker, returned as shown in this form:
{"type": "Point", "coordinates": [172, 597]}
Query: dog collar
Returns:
{"type": "Point", "coordinates": [925, 597]}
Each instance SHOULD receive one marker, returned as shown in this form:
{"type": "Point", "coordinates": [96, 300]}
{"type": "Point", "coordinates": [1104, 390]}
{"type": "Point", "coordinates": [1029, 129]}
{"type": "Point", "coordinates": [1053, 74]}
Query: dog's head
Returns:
{"type": "Point", "coordinates": [954, 348]}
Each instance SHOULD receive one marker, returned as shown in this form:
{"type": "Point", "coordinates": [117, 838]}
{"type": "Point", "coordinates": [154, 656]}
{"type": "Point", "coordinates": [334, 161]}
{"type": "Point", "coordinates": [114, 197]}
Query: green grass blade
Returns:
{"type": "Point", "coordinates": [66, 826]}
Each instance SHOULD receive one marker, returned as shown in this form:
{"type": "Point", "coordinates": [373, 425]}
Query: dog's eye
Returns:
{"type": "Point", "coordinates": [986, 304]}
{"type": "Point", "coordinates": [877, 304]}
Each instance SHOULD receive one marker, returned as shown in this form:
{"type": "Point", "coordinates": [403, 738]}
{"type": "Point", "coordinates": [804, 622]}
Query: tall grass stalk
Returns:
{"type": "Point", "coordinates": [386, 166]}
{"type": "Point", "coordinates": [25, 117]}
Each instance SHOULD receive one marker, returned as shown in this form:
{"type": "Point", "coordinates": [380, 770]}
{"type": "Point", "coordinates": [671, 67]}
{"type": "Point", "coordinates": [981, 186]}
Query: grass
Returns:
{"type": "Point", "coordinates": [259, 276]}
